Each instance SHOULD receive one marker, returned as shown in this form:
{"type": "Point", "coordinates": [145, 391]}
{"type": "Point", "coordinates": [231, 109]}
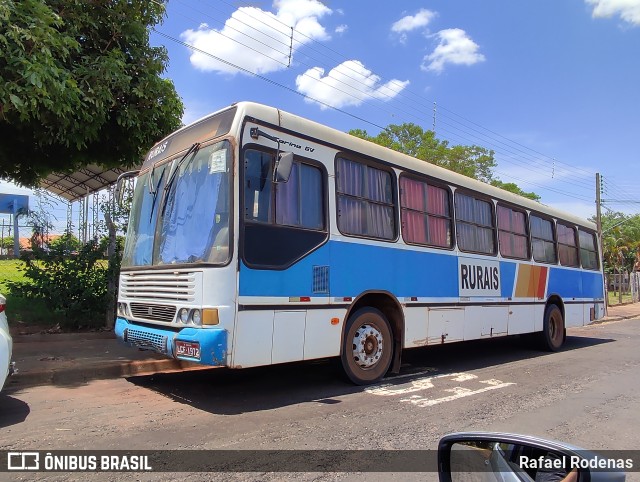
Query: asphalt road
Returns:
{"type": "Point", "coordinates": [588, 395]}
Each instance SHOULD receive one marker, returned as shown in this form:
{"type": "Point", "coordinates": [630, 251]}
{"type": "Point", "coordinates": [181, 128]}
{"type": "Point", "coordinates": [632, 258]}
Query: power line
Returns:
{"type": "Point", "coordinates": [517, 152]}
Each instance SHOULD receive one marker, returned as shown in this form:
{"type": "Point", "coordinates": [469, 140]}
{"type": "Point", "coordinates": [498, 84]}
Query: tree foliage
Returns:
{"type": "Point", "coordinates": [80, 85]}
{"type": "Point", "coordinates": [472, 161]}
{"type": "Point", "coordinates": [620, 241]}
{"type": "Point", "coordinates": [74, 285]}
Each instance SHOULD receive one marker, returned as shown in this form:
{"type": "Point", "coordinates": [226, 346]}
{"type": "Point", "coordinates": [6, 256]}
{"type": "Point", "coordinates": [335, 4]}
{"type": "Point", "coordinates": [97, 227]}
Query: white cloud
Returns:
{"type": "Point", "coordinates": [341, 29]}
{"type": "Point", "coordinates": [348, 84]}
{"type": "Point", "coordinates": [412, 22]}
{"type": "Point", "coordinates": [455, 47]}
{"type": "Point", "coordinates": [258, 40]}
{"type": "Point", "coordinates": [629, 10]}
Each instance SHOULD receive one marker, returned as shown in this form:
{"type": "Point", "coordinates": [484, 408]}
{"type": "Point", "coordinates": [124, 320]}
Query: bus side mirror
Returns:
{"type": "Point", "coordinates": [282, 170]}
{"type": "Point", "coordinates": [119, 191]}
{"type": "Point", "coordinates": [509, 457]}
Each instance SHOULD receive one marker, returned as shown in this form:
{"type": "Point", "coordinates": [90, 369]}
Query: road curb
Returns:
{"type": "Point", "coordinates": [612, 318]}
{"type": "Point", "coordinates": [78, 375]}
{"type": "Point", "coordinates": [58, 337]}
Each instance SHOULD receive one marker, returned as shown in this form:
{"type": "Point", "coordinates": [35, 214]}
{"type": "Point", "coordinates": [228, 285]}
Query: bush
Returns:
{"type": "Point", "coordinates": [72, 283]}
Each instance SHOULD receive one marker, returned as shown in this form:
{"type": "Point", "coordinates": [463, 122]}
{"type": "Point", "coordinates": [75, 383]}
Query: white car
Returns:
{"type": "Point", "coordinates": [6, 344]}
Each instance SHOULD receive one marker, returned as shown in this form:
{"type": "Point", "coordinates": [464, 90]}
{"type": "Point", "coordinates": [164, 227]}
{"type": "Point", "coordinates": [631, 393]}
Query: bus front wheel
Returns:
{"type": "Point", "coordinates": [553, 332]}
{"type": "Point", "coordinates": [367, 346]}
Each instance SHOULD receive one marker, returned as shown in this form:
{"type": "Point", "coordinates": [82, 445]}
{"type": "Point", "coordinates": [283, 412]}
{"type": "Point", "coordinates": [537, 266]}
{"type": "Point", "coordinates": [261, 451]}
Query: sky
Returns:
{"type": "Point", "coordinates": [553, 87]}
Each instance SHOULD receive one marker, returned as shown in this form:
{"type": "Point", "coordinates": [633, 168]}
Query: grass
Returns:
{"type": "Point", "coordinates": [9, 271]}
{"type": "Point", "coordinates": [614, 298]}
{"type": "Point", "coordinates": [22, 310]}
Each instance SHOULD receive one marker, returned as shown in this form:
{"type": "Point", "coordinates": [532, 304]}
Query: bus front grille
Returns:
{"type": "Point", "coordinates": [151, 312]}
{"type": "Point", "coordinates": [172, 287]}
{"type": "Point", "coordinates": [142, 339]}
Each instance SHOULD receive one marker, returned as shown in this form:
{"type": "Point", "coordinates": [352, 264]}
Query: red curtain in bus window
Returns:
{"type": "Point", "coordinates": [512, 233]}
{"type": "Point", "coordinates": [413, 194]}
{"type": "Point", "coordinates": [567, 246]}
{"type": "Point", "coordinates": [413, 207]}
{"type": "Point", "coordinates": [422, 208]}
{"type": "Point", "coordinates": [414, 224]}
{"type": "Point", "coordinates": [439, 227]}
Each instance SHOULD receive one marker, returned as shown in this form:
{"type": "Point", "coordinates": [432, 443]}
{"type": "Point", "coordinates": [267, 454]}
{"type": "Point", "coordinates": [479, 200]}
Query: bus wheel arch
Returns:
{"type": "Point", "coordinates": [369, 304]}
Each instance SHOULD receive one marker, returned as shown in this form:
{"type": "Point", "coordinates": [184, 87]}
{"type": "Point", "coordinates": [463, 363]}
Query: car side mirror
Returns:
{"type": "Point", "coordinates": [282, 170]}
{"type": "Point", "coordinates": [504, 457]}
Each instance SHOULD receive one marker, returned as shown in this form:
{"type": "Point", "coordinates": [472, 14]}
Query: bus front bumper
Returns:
{"type": "Point", "coordinates": [207, 346]}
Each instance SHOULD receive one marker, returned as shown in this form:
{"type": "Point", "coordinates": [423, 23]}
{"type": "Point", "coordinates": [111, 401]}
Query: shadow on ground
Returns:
{"type": "Point", "coordinates": [12, 411]}
{"type": "Point", "coordinates": [230, 392]}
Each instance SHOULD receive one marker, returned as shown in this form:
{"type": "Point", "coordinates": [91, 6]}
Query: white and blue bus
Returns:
{"type": "Point", "coordinates": [257, 237]}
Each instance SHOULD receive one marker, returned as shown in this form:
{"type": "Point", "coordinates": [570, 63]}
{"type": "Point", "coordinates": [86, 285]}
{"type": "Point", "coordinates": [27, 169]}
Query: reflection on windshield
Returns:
{"type": "Point", "coordinates": [138, 249]}
{"type": "Point", "coordinates": [194, 224]}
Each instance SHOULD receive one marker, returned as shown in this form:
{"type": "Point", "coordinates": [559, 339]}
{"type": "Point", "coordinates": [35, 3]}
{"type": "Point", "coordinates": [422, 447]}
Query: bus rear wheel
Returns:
{"type": "Point", "coordinates": [553, 331]}
{"type": "Point", "coordinates": [367, 347]}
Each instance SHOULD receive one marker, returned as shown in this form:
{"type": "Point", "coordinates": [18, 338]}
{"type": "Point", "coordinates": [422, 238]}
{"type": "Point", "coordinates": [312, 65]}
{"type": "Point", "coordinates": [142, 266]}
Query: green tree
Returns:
{"type": "Point", "coordinates": [472, 161]}
{"type": "Point", "coordinates": [67, 243]}
{"type": "Point", "coordinates": [6, 242]}
{"type": "Point", "coordinates": [80, 85]}
{"type": "Point", "coordinates": [620, 241]}
{"type": "Point", "coordinates": [515, 189]}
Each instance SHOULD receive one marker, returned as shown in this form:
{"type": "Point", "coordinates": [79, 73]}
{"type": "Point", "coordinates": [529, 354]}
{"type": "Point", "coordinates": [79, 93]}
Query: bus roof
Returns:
{"type": "Point", "coordinates": [346, 141]}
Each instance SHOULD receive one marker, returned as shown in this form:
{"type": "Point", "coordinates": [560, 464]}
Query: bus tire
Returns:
{"type": "Point", "coordinates": [553, 331]}
{"type": "Point", "coordinates": [367, 347]}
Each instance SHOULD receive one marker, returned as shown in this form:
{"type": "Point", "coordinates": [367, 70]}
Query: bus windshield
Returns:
{"type": "Point", "coordinates": [180, 211]}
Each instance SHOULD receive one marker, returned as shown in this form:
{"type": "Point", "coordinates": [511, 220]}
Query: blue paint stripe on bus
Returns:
{"type": "Point", "coordinates": [571, 283]}
{"type": "Point", "coordinates": [356, 268]}
{"type": "Point", "coordinates": [507, 278]}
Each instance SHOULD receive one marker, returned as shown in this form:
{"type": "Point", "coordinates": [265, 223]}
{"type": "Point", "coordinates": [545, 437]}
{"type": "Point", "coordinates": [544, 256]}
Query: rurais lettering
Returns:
{"type": "Point", "coordinates": [475, 277]}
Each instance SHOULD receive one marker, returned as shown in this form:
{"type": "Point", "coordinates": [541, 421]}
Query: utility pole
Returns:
{"type": "Point", "coordinates": [598, 207]}
{"type": "Point", "coordinates": [600, 240]}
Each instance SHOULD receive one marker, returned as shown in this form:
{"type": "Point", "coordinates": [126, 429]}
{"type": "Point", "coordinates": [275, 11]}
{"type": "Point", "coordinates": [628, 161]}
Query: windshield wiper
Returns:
{"type": "Point", "coordinates": [167, 187]}
{"type": "Point", "coordinates": [155, 193]}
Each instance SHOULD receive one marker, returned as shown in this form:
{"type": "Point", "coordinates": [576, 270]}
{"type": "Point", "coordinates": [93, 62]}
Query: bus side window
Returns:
{"type": "Point", "coordinates": [513, 239]}
{"type": "Point", "coordinates": [567, 246]}
{"type": "Point", "coordinates": [542, 240]}
{"type": "Point", "coordinates": [257, 198]}
{"type": "Point", "coordinates": [474, 224]}
{"type": "Point", "coordinates": [365, 200]}
{"type": "Point", "coordinates": [588, 250]}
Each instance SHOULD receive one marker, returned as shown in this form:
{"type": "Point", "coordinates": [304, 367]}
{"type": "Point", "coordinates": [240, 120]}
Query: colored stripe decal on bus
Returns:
{"type": "Point", "coordinates": [356, 268]}
{"type": "Point", "coordinates": [531, 281]}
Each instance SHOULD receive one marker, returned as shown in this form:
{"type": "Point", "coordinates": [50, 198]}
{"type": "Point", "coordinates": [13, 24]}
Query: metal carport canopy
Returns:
{"type": "Point", "coordinates": [76, 185]}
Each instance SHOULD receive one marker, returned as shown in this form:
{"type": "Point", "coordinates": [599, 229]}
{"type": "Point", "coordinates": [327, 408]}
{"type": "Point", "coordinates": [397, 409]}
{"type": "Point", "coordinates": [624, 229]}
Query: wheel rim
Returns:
{"type": "Point", "coordinates": [367, 346]}
{"type": "Point", "coordinates": [555, 329]}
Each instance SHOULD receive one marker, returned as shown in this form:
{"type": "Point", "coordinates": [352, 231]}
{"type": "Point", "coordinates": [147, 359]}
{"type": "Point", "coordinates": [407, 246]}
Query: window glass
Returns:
{"type": "Point", "coordinates": [138, 248]}
{"type": "Point", "coordinates": [424, 213]}
{"type": "Point", "coordinates": [297, 202]}
{"type": "Point", "coordinates": [194, 219]}
{"type": "Point", "coordinates": [543, 245]}
{"type": "Point", "coordinates": [365, 200]}
{"type": "Point", "coordinates": [181, 211]}
{"type": "Point", "coordinates": [512, 233]}
{"type": "Point", "coordinates": [588, 250]}
{"type": "Point", "coordinates": [474, 225]}
{"type": "Point", "coordinates": [257, 189]}
{"type": "Point", "coordinates": [567, 246]}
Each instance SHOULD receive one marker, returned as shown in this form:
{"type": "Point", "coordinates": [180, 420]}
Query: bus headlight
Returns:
{"type": "Point", "coordinates": [184, 315]}
{"type": "Point", "coordinates": [196, 317]}
{"type": "Point", "coordinates": [122, 309]}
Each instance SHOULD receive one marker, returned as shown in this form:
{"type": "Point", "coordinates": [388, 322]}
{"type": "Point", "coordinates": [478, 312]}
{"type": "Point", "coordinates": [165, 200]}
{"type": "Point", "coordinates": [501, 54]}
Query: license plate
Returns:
{"type": "Point", "coordinates": [188, 349]}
